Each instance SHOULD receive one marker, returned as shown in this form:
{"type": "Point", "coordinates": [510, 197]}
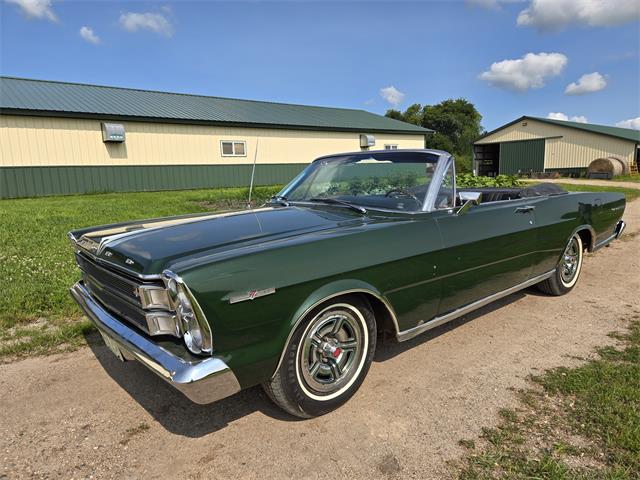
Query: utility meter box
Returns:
{"type": "Point", "coordinates": [113, 132]}
{"type": "Point", "coordinates": [367, 141]}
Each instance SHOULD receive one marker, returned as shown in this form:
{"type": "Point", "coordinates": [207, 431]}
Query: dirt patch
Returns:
{"type": "Point", "coordinates": [66, 415]}
{"type": "Point", "coordinates": [389, 465]}
{"type": "Point", "coordinates": [133, 432]}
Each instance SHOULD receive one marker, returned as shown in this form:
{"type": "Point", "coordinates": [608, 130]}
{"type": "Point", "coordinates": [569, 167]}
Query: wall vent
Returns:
{"type": "Point", "coordinates": [113, 132]}
{"type": "Point", "coordinates": [367, 141]}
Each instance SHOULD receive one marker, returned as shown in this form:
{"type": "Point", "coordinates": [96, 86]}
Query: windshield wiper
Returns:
{"type": "Point", "coordinates": [335, 201]}
{"type": "Point", "coordinates": [281, 200]}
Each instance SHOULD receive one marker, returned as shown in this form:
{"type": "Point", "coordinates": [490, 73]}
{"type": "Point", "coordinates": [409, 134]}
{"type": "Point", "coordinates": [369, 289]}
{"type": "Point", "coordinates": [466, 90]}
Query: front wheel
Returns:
{"type": "Point", "coordinates": [568, 270]}
{"type": "Point", "coordinates": [326, 359]}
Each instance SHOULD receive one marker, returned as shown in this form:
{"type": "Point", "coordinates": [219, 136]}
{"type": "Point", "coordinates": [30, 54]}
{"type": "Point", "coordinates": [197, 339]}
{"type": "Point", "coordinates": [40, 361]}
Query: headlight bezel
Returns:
{"type": "Point", "coordinates": [193, 324]}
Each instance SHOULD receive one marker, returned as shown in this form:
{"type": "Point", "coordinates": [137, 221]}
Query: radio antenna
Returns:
{"type": "Point", "coordinates": [253, 171]}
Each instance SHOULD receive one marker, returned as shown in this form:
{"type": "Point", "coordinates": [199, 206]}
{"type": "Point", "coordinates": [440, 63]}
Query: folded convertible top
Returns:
{"type": "Point", "coordinates": [542, 189]}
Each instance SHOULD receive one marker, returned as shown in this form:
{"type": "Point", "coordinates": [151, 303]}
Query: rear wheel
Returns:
{"type": "Point", "coordinates": [326, 359]}
{"type": "Point", "coordinates": [568, 270]}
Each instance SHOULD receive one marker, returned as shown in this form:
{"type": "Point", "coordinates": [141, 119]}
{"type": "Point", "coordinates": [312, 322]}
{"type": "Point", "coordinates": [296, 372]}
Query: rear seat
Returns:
{"type": "Point", "coordinates": [495, 194]}
{"type": "Point", "coordinates": [500, 194]}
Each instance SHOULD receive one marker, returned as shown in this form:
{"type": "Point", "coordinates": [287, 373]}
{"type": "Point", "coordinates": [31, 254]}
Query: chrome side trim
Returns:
{"type": "Point", "coordinates": [388, 306]}
{"type": "Point", "coordinates": [203, 380]}
{"type": "Point", "coordinates": [604, 243]}
{"type": "Point", "coordinates": [620, 226]}
{"type": "Point", "coordinates": [437, 321]}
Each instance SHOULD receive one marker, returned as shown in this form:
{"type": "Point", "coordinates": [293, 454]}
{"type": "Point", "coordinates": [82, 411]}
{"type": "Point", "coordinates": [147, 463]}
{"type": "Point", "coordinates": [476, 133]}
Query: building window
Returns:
{"type": "Point", "coordinates": [391, 147]}
{"type": "Point", "coordinates": [233, 148]}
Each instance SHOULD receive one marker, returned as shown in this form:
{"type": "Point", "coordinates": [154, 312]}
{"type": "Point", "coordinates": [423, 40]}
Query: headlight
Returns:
{"type": "Point", "coordinates": [197, 334]}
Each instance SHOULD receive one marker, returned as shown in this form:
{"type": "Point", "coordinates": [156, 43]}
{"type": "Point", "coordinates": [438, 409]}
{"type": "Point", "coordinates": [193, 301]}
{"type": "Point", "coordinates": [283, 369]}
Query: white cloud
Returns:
{"type": "Point", "coordinates": [556, 14]}
{"type": "Point", "coordinates": [557, 116]}
{"type": "Point", "coordinates": [633, 123]}
{"type": "Point", "coordinates": [587, 83]}
{"type": "Point", "coordinates": [392, 95]}
{"type": "Point", "coordinates": [524, 73]}
{"type": "Point", "coordinates": [36, 9]}
{"type": "Point", "coordinates": [154, 22]}
{"type": "Point", "coordinates": [88, 34]}
{"type": "Point", "coordinates": [565, 118]}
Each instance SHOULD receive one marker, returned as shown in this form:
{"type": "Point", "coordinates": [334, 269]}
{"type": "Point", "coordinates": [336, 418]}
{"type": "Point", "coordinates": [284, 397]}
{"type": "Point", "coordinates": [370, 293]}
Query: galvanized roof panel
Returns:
{"type": "Point", "coordinates": [20, 95]}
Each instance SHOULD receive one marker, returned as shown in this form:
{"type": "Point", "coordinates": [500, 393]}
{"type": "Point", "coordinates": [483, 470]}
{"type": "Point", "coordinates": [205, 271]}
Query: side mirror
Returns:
{"type": "Point", "coordinates": [468, 199]}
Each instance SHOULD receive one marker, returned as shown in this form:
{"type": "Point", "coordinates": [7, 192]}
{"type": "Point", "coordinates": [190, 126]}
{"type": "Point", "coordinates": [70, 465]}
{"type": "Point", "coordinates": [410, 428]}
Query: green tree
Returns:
{"type": "Point", "coordinates": [457, 123]}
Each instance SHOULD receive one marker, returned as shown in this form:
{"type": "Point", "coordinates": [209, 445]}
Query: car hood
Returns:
{"type": "Point", "coordinates": [147, 247]}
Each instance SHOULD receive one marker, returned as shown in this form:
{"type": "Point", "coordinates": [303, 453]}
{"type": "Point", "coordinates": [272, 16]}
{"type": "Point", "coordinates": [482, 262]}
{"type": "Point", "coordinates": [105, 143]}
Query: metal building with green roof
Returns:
{"type": "Point", "coordinates": [533, 145]}
{"type": "Point", "coordinates": [64, 138]}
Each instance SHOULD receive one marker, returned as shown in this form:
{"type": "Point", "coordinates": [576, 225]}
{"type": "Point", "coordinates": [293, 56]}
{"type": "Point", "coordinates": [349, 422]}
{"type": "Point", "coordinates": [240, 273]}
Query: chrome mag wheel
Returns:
{"type": "Point", "coordinates": [571, 261]}
{"type": "Point", "coordinates": [332, 351]}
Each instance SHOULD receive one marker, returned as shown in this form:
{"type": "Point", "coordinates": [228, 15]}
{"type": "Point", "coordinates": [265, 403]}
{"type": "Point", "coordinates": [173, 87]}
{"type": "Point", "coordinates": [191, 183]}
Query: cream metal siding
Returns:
{"type": "Point", "coordinates": [565, 147]}
{"type": "Point", "coordinates": [29, 141]}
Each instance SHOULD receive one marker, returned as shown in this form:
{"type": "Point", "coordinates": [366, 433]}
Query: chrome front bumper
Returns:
{"type": "Point", "coordinates": [202, 381]}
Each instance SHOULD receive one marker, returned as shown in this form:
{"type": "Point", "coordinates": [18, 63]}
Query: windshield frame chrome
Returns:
{"type": "Point", "coordinates": [442, 160]}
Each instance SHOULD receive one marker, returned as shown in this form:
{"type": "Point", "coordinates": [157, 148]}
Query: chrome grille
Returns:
{"type": "Point", "coordinates": [114, 291]}
{"type": "Point", "coordinates": [116, 304]}
{"type": "Point", "coordinates": [109, 279]}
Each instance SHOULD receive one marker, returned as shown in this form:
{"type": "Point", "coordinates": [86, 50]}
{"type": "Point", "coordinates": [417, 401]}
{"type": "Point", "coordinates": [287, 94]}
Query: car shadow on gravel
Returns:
{"type": "Point", "coordinates": [175, 412]}
{"type": "Point", "coordinates": [180, 416]}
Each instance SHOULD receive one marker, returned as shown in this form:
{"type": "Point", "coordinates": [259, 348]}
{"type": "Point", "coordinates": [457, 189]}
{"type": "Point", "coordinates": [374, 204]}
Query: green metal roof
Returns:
{"type": "Point", "coordinates": [623, 133]}
{"type": "Point", "coordinates": [40, 97]}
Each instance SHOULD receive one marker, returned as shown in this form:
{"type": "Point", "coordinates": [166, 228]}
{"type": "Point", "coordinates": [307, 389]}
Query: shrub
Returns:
{"type": "Point", "coordinates": [504, 181]}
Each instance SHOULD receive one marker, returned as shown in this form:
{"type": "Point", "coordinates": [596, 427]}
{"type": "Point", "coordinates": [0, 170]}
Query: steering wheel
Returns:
{"type": "Point", "coordinates": [400, 192]}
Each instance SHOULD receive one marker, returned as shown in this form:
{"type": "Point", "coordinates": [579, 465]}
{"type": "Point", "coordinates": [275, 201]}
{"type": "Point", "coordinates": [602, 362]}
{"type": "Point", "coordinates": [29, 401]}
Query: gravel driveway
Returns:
{"type": "Point", "coordinates": [86, 414]}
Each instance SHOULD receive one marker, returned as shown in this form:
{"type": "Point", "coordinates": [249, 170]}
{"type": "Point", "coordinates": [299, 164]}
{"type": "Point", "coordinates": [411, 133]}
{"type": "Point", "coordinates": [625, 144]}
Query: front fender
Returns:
{"type": "Point", "coordinates": [330, 290]}
{"type": "Point", "coordinates": [327, 292]}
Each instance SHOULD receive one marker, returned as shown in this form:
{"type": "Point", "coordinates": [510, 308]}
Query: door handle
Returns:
{"type": "Point", "coordinates": [525, 209]}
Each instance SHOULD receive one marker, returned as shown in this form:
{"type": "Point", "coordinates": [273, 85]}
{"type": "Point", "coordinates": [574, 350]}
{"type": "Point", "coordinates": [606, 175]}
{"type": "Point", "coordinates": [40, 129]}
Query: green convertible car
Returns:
{"type": "Point", "coordinates": [294, 295]}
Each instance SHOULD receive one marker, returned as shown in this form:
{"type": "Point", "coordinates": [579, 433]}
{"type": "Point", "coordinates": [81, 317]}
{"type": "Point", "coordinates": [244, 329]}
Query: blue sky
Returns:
{"type": "Point", "coordinates": [343, 53]}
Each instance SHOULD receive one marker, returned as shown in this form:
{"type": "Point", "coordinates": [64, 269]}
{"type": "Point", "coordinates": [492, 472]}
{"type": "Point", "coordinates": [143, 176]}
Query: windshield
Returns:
{"type": "Point", "coordinates": [392, 181]}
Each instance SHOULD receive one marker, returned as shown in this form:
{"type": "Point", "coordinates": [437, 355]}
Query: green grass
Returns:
{"type": "Point", "coordinates": [627, 178]}
{"type": "Point", "coordinates": [37, 267]}
{"type": "Point", "coordinates": [578, 423]}
{"type": "Point", "coordinates": [629, 193]}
